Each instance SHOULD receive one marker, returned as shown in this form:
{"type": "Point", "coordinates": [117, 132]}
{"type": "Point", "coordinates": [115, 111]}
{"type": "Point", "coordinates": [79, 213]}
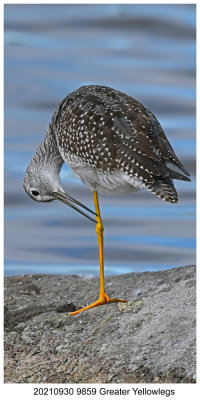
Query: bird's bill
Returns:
{"type": "Point", "coordinates": [70, 201]}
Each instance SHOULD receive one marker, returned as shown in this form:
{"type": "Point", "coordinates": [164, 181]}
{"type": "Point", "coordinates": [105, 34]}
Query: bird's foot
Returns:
{"type": "Point", "coordinates": [103, 299]}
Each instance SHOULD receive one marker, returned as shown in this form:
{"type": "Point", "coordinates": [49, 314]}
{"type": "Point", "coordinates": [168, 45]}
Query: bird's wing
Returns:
{"type": "Point", "coordinates": [144, 146]}
{"type": "Point", "coordinates": [110, 130]}
{"type": "Point", "coordinates": [144, 155]}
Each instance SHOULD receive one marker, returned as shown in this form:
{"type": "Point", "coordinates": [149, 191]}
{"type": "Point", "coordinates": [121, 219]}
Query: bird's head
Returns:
{"type": "Point", "coordinates": [44, 186]}
{"type": "Point", "coordinates": [39, 187]}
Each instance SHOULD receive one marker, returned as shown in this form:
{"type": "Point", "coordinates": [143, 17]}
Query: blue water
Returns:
{"type": "Point", "coordinates": [147, 51]}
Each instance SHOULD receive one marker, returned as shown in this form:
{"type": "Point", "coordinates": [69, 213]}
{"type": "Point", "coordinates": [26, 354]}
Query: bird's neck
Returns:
{"type": "Point", "coordinates": [50, 150]}
{"type": "Point", "coordinates": [47, 157]}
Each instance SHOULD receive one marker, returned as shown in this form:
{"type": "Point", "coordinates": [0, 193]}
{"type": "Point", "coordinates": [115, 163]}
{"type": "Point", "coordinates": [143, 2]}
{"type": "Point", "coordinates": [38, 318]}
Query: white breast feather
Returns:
{"type": "Point", "coordinates": [109, 183]}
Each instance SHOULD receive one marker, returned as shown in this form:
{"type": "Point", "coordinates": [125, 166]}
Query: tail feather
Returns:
{"type": "Point", "coordinates": [163, 188]}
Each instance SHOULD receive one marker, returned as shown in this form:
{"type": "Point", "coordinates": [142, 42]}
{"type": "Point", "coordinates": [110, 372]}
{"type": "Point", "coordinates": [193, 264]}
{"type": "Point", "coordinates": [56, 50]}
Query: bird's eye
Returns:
{"type": "Point", "coordinates": [35, 192]}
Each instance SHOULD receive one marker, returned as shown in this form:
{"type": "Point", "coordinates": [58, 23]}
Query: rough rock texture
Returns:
{"type": "Point", "coordinates": [149, 339]}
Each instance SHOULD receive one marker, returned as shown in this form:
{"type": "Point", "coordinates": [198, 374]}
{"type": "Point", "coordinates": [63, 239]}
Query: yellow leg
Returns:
{"type": "Point", "coordinates": [103, 297]}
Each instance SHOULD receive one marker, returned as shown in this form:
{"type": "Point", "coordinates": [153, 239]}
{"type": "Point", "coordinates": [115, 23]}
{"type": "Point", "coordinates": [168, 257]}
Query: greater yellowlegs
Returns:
{"type": "Point", "coordinates": [114, 144]}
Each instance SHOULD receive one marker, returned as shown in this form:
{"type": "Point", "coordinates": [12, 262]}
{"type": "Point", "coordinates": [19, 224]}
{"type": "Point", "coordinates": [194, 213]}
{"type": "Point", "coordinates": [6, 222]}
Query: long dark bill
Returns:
{"type": "Point", "coordinates": [70, 201]}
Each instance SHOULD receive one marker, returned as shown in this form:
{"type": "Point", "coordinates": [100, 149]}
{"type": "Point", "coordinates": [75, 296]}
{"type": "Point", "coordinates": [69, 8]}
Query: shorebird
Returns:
{"type": "Point", "coordinates": [114, 144]}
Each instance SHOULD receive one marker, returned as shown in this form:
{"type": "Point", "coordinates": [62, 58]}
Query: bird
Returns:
{"type": "Point", "coordinates": [115, 145]}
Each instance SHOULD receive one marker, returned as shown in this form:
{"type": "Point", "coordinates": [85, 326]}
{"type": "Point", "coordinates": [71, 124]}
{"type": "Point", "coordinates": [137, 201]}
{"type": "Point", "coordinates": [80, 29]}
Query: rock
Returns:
{"type": "Point", "coordinates": [151, 338]}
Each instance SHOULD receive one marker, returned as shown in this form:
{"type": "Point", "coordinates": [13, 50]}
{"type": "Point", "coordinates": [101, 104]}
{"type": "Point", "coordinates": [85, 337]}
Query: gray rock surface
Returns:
{"type": "Point", "coordinates": [149, 339]}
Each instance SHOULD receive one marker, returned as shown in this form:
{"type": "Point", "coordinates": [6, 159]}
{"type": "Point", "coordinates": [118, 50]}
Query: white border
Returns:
{"type": "Point", "coordinates": [25, 391]}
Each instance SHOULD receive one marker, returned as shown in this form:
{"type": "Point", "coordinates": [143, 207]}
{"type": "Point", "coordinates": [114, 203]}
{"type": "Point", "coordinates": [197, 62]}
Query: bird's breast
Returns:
{"type": "Point", "coordinates": [110, 183]}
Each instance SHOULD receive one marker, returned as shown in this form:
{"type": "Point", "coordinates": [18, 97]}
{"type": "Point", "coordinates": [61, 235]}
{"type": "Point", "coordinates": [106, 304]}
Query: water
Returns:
{"type": "Point", "coordinates": [147, 51]}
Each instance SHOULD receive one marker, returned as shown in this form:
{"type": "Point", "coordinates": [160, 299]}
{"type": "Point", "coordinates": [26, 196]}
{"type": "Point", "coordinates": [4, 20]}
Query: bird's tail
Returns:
{"type": "Point", "coordinates": [164, 188]}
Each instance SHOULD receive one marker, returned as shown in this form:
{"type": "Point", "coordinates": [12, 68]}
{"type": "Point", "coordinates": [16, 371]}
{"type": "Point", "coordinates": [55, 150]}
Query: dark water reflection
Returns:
{"type": "Point", "coordinates": [147, 51]}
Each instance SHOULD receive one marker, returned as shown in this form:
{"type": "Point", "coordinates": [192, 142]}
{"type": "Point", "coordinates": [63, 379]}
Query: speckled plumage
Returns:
{"type": "Point", "coordinates": [115, 137]}
{"type": "Point", "coordinates": [112, 142]}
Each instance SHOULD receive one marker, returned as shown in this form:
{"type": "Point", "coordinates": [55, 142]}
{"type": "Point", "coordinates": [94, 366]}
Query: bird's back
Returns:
{"type": "Point", "coordinates": [111, 134]}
